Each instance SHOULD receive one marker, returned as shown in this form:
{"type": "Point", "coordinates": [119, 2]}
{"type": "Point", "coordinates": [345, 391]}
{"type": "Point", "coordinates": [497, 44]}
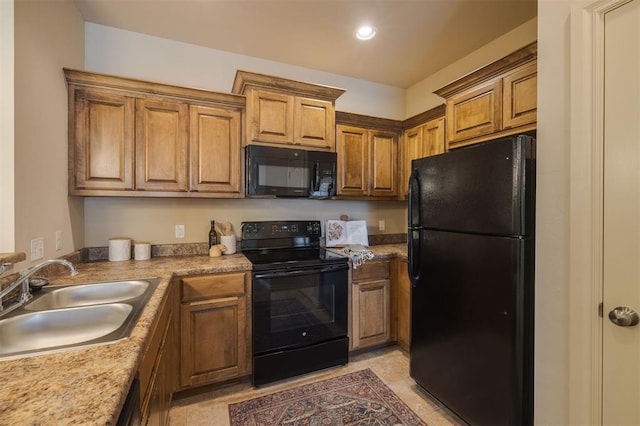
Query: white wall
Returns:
{"type": "Point", "coordinates": [48, 36]}
{"type": "Point", "coordinates": [128, 54]}
{"type": "Point", "coordinates": [7, 217]}
{"type": "Point", "coordinates": [154, 220]}
{"type": "Point", "coordinates": [420, 96]}
{"type": "Point", "coordinates": [552, 210]}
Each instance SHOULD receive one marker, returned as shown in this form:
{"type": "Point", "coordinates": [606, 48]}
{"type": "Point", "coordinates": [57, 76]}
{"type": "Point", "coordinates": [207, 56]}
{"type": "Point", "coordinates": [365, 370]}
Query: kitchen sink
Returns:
{"type": "Point", "coordinates": [88, 294]}
{"type": "Point", "coordinates": [71, 316]}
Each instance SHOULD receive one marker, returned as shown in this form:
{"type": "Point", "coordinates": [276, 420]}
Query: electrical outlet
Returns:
{"type": "Point", "coordinates": [381, 225]}
{"type": "Point", "coordinates": [37, 249]}
{"type": "Point", "coordinates": [58, 240]}
{"type": "Point", "coordinates": [179, 231]}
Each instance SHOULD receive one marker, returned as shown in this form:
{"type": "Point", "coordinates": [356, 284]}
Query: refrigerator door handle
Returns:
{"type": "Point", "coordinates": [414, 192]}
{"type": "Point", "coordinates": [415, 240]}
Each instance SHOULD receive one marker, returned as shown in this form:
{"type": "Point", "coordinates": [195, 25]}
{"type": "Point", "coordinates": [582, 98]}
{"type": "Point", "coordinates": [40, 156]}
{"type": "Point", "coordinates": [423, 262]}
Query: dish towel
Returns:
{"type": "Point", "coordinates": [358, 254]}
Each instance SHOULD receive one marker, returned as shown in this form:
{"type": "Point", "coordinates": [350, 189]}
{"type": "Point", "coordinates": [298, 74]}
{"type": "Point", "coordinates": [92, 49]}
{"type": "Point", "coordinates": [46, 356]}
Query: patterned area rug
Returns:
{"type": "Point", "coordinates": [359, 398]}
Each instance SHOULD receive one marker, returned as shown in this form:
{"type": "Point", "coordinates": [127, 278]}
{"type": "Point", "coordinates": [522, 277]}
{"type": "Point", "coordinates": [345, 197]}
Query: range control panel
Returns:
{"type": "Point", "coordinates": [280, 229]}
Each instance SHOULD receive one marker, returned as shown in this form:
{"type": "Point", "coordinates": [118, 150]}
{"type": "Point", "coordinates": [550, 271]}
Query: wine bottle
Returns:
{"type": "Point", "coordinates": [213, 236]}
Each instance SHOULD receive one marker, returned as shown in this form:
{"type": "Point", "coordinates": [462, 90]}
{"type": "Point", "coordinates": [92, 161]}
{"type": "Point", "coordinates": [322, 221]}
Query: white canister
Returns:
{"type": "Point", "coordinates": [142, 251]}
{"type": "Point", "coordinates": [119, 249]}
{"type": "Point", "coordinates": [229, 241]}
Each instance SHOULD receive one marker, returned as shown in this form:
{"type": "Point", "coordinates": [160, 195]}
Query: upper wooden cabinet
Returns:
{"type": "Point", "coordinates": [162, 133]}
{"type": "Point", "coordinates": [496, 100]}
{"type": "Point", "coordinates": [136, 138]}
{"type": "Point", "coordinates": [101, 137]}
{"type": "Point", "coordinates": [367, 149]}
{"type": "Point", "coordinates": [287, 112]}
{"type": "Point", "coordinates": [425, 137]}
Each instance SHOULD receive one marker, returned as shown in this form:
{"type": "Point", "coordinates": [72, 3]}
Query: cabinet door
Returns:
{"type": "Point", "coordinates": [383, 164]}
{"type": "Point", "coordinates": [371, 305]}
{"type": "Point", "coordinates": [102, 149]}
{"type": "Point", "coordinates": [314, 124]}
{"type": "Point", "coordinates": [434, 137]}
{"type": "Point", "coordinates": [271, 117]}
{"type": "Point", "coordinates": [520, 92]}
{"type": "Point", "coordinates": [213, 343]}
{"type": "Point", "coordinates": [474, 113]}
{"type": "Point", "coordinates": [403, 309]}
{"type": "Point", "coordinates": [353, 160]}
{"type": "Point", "coordinates": [161, 145]}
{"type": "Point", "coordinates": [215, 153]}
{"type": "Point", "coordinates": [411, 149]}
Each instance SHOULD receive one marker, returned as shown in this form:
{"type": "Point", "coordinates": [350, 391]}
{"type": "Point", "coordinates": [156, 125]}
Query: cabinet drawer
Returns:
{"type": "Point", "coordinates": [208, 286]}
{"type": "Point", "coordinates": [372, 271]}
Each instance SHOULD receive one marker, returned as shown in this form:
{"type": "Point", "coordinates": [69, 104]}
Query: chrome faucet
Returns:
{"type": "Point", "coordinates": [23, 281]}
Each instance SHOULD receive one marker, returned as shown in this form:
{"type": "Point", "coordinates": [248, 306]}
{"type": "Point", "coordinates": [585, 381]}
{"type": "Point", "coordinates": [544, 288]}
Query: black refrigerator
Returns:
{"type": "Point", "coordinates": [471, 263]}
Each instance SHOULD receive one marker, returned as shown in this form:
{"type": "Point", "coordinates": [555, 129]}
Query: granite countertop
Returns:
{"type": "Point", "coordinates": [88, 385]}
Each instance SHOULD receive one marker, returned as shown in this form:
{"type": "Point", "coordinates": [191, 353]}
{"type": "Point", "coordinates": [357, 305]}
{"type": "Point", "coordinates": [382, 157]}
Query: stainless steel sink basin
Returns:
{"type": "Point", "coordinates": [60, 327]}
{"type": "Point", "coordinates": [88, 294]}
{"type": "Point", "coordinates": [71, 316]}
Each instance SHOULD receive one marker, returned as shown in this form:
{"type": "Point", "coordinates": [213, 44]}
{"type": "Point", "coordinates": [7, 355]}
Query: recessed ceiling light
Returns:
{"type": "Point", "coordinates": [365, 32]}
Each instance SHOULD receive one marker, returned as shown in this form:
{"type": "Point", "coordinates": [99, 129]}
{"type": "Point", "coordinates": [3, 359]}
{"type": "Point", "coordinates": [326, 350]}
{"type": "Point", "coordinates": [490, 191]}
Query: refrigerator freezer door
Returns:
{"type": "Point", "coordinates": [467, 339]}
{"type": "Point", "coordinates": [487, 188]}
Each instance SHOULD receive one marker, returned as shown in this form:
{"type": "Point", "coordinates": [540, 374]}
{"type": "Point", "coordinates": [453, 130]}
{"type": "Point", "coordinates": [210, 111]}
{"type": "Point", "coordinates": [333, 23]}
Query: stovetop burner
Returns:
{"type": "Point", "coordinates": [285, 244]}
{"type": "Point", "coordinates": [287, 257]}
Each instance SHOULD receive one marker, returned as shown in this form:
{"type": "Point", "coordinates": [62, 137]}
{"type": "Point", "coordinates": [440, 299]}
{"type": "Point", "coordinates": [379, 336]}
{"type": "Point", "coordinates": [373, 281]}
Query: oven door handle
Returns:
{"type": "Point", "coordinates": [297, 272]}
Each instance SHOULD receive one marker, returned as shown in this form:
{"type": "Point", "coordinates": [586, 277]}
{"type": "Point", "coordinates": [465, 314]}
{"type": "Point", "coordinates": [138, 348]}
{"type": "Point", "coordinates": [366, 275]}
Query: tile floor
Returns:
{"type": "Point", "coordinates": [390, 364]}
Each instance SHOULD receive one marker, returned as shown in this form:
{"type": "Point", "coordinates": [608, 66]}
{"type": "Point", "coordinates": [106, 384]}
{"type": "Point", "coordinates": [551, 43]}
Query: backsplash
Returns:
{"type": "Point", "coordinates": [92, 254]}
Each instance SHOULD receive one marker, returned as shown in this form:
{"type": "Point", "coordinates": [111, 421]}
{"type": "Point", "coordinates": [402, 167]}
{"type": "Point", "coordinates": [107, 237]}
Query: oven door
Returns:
{"type": "Point", "coordinates": [299, 307]}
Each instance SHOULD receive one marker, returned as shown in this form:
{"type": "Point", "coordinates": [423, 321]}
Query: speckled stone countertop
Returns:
{"type": "Point", "coordinates": [89, 385]}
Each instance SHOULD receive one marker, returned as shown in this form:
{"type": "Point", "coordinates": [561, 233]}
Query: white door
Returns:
{"type": "Point", "coordinates": [621, 220]}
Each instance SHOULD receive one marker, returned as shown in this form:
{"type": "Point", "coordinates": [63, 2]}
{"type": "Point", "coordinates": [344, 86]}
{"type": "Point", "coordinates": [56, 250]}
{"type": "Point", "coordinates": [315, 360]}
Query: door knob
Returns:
{"type": "Point", "coordinates": [624, 316]}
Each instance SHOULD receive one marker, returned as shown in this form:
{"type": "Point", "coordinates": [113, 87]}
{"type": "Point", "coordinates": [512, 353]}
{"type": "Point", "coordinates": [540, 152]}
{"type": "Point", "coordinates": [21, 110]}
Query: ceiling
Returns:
{"type": "Point", "coordinates": [415, 38]}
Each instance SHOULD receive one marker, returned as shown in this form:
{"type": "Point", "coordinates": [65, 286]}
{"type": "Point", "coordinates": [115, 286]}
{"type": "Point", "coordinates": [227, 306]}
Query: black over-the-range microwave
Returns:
{"type": "Point", "coordinates": [285, 172]}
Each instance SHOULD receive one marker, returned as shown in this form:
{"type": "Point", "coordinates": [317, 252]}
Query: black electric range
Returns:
{"type": "Point", "coordinates": [299, 300]}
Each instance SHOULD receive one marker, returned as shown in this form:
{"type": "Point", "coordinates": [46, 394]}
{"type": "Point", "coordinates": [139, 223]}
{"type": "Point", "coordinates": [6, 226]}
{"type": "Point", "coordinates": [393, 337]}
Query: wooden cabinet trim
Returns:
{"type": "Point", "coordinates": [488, 72]}
{"type": "Point", "coordinates": [245, 80]}
{"type": "Point", "coordinates": [139, 88]}
{"type": "Point", "coordinates": [369, 122]}
{"type": "Point", "coordinates": [424, 117]}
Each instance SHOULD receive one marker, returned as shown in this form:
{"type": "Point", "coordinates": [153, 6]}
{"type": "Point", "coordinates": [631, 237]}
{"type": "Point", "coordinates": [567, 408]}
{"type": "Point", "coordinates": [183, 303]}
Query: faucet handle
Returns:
{"type": "Point", "coordinates": [4, 267]}
{"type": "Point", "coordinates": [36, 283]}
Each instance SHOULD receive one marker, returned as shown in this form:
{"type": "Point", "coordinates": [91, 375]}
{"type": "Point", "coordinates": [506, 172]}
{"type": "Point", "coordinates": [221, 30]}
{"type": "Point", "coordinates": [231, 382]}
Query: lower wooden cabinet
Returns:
{"type": "Point", "coordinates": [156, 371]}
{"type": "Point", "coordinates": [403, 305]}
{"type": "Point", "coordinates": [370, 305]}
{"type": "Point", "coordinates": [214, 328]}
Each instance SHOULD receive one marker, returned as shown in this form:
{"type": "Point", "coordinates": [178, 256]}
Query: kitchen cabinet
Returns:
{"type": "Point", "coordinates": [403, 305]}
{"type": "Point", "coordinates": [156, 372]}
{"type": "Point", "coordinates": [367, 157]}
{"type": "Point", "coordinates": [101, 136]}
{"type": "Point", "coordinates": [421, 140]}
{"type": "Point", "coordinates": [136, 138]}
{"type": "Point", "coordinates": [214, 328]}
{"type": "Point", "coordinates": [370, 305]}
{"type": "Point", "coordinates": [494, 101]}
{"type": "Point", "coordinates": [282, 112]}
{"type": "Point", "coordinates": [161, 145]}
{"type": "Point", "coordinates": [214, 144]}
